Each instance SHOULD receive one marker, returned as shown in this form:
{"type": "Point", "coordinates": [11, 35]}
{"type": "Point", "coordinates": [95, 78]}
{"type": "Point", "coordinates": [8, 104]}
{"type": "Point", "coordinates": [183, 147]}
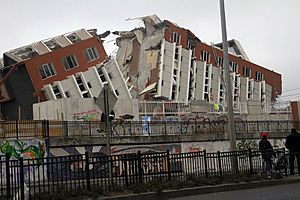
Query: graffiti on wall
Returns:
{"type": "Point", "coordinates": [90, 115]}
{"type": "Point", "coordinates": [28, 149]}
{"type": "Point", "coordinates": [247, 144]}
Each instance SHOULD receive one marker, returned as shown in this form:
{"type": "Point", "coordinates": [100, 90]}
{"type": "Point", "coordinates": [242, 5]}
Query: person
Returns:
{"type": "Point", "coordinates": [293, 145]}
{"type": "Point", "coordinates": [267, 152]}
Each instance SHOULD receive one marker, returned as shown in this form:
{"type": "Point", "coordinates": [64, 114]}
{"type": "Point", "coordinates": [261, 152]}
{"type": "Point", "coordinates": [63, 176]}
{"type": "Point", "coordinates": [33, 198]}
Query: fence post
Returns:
{"type": "Point", "coordinates": [126, 170]}
{"type": "Point", "coordinates": [148, 123]}
{"type": "Point", "coordinates": [285, 163]}
{"type": "Point", "coordinates": [17, 129]}
{"type": "Point", "coordinates": [87, 171]}
{"type": "Point", "coordinates": [169, 166]}
{"type": "Point", "coordinates": [44, 128]}
{"type": "Point", "coordinates": [7, 169]}
{"type": "Point", "coordinates": [140, 169]}
{"type": "Point", "coordinates": [66, 128]}
{"type": "Point", "coordinates": [165, 128]}
{"type": "Point", "coordinates": [180, 122]}
{"type": "Point", "coordinates": [250, 160]}
{"type": "Point", "coordinates": [47, 128]}
{"type": "Point", "coordinates": [90, 129]}
{"type": "Point", "coordinates": [21, 178]}
{"type": "Point", "coordinates": [205, 164]}
{"type": "Point", "coordinates": [219, 162]}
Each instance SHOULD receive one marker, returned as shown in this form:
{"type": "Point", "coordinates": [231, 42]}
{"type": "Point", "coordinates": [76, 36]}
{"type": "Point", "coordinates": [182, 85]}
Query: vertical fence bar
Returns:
{"type": "Point", "coordinates": [169, 165]}
{"type": "Point", "coordinates": [140, 169]}
{"type": "Point", "coordinates": [21, 178]}
{"type": "Point", "coordinates": [219, 162]}
{"type": "Point", "coordinates": [87, 171]}
{"type": "Point", "coordinates": [285, 163]}
{"type": "Point", "coordinates": [126, 170]}
{"type": "Point", "coordinates": [250, 161]}
{"type": "Point", "coordinates": [165, 128]}
{"type": "Point", "coordinates": [205, 164]}
{"type": "Point", "coordinates": [7, 169]}
{"type": "Point", "coordinates": [90, 129]}
{"type": "Point", "coordinates": [44, 128]}
{"type": "Point", "coordinates": [17, 129]}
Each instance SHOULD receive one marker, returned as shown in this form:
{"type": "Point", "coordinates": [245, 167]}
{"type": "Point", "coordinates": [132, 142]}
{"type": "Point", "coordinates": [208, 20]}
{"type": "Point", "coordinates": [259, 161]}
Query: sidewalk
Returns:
{"type": "Point", "coordinates": [205, 189]}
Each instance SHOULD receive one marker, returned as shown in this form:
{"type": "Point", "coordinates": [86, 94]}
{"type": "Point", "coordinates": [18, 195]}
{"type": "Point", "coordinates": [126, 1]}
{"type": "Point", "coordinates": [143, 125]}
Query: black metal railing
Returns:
{"type": "Point", "coordinates": [49, 128]}
{"type": "Point", "coordinates": [36, 177]}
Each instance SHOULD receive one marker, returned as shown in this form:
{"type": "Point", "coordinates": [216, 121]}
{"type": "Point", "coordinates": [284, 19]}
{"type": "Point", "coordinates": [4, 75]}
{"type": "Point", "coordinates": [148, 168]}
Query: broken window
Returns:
{"type": "Point", "coordinates": [70, 62]}
{"type": "Point", "coordinates": [52, 44]}
{"type": "Point", "coordinates": [74, 38]}
{"type": "Point", "coordinates": [91, 54]}
{"type": "Point", "coordinates": [47, 70]}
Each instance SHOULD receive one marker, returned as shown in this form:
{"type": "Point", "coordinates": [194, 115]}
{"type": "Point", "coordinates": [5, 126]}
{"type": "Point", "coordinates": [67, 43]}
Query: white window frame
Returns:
{"type": "Point", "coordinates": [47, 70]}
{"type": "Point", "coordinates": [205, 56]}
{"type": "Point", "coordinates": [234, 66]}
{"type": "Point", "coordinates": [247, 72]}
{"type": "Point", "coordinates": [70, 62]}
{"type": "Point", "coordinates": [220, 61]}
{"type": "Point", "coordinates": [91, 54]}
{"type": "Point", "coordinates": [176, 37]}
{"type": "Point", "coordinates": [259, 76]}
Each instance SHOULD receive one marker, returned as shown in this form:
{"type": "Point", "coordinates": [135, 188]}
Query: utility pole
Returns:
{"type": "Point", "coordinates": [231, 128]}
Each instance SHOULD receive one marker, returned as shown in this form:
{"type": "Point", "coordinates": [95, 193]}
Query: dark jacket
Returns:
{"type": "Point", "coordinates": [266, 149]}
{"type": "Point", "coordinates": [293, 142]}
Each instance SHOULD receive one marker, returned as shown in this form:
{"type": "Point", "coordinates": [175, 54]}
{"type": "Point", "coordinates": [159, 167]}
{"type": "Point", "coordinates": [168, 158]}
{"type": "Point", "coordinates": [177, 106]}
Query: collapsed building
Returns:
{"type": "Point", "coordinates": [73, 65]}
{"type": "Point", "coordinates": [168, 62]}
{"type": "Point", "coordinates": [158, 63]}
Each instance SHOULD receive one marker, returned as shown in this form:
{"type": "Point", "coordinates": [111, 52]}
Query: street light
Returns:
{"type": "Point", "coordinates": [231, 129]}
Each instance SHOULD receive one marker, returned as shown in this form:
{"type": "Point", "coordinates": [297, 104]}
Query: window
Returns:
{"type": "Point", "coordinates": [233, 66]}
{"type": "Point", "coordinates": [70, 62]}
{"type": "Point", "coordinates": [259, 76]}
{"type": "Point", "coordinates": [89, 84]}
{"type": "Point", "coordinates": [189, 44]}
{"type": "Point", "coordinates": [91, 54]}
{"type": "Point", "coordinates": [176, 53]}
{"type": "Point", "coordinates": [205, 56]}
{"type": "Point", "coordinates": [47, 70]}
{"type": "Point", "coordinates": [101, 75]}
{"type": "Point", "coordinates": [246, 72]}
{"type": "Point", "coordinates": [67, 93]}
{"type": "Point", "coordinates": [220, 62]}
{"type": "Point", "coordinates": [176, 37]}
{"type": "Point", "coordinates": [56, 92]}
{"type": "Point", "coordinates": [82, 88]}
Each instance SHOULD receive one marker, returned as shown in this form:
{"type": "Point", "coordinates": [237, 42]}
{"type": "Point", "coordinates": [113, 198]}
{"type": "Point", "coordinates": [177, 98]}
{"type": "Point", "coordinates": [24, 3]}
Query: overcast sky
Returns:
{"type": "Point", "coordinates": [267, 29]}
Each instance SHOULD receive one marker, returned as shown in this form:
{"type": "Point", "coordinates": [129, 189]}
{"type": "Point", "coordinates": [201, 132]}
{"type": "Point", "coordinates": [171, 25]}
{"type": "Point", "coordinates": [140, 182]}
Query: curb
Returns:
{"type": "Point", "coordinates": [203, 190]}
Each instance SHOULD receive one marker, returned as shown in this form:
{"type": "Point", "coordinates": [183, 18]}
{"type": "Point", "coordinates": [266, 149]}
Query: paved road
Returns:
{"type": "Point", "coordinates": [281, 192]}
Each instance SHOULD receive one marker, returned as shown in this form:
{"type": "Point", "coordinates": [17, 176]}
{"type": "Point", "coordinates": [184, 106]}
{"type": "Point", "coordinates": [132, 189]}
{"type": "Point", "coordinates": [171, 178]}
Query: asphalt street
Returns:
{"type": "Point", "coordinates": [280, 192]}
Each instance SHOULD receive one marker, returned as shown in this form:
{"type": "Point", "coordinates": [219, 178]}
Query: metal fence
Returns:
{"type": "Point", "coordinates": [36, 177]}
{"type": "Point", "coordinates": [46, 128]}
